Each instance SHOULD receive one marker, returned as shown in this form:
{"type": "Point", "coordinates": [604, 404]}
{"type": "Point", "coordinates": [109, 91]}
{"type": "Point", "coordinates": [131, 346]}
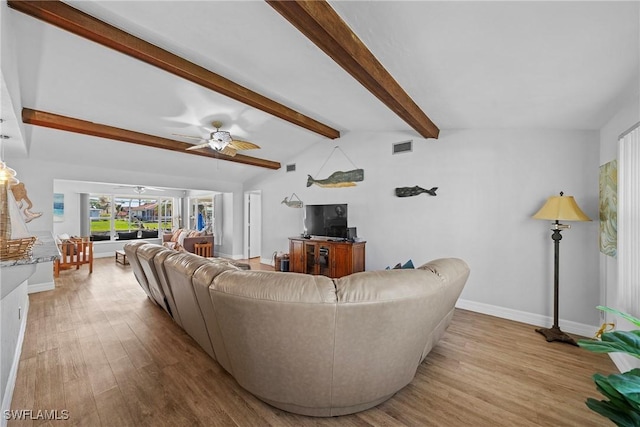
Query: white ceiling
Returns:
{"type": "Point", "coordinates": [560, 65]}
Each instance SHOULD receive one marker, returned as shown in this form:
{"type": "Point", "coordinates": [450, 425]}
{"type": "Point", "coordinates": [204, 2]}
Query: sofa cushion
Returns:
{"type": "Point", "coordinates": [175, 235]}
{"type": "Point", "coordinates": [202, 279]}
{"type": "Point", "coordinates": [179, 270]}
{"type": "Point", "coordinates": [145, 254]}
{"type": "Point", "coordinates": [183, 235]}
{"type": "Point", "coordinates": [127, 235]}
{"type": "Point", "coordinates": [99, 237]}
{"type": "Point", "coordinates": [131, 249]}
{"type": "Point", "coordinates": [278, 333]}
{"type": "Point", "coordinates": [148, 234]}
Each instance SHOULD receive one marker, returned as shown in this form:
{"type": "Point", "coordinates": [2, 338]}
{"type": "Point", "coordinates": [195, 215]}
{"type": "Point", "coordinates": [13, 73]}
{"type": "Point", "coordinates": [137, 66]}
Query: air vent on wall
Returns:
{"type": "Point", "coordinates": [291, 167]}
{"type": "Point", "coordinates": [403, 147]}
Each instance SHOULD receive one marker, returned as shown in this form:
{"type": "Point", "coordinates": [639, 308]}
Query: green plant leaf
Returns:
{"type": "Point", "coordinates": [607, 390]}
{"type": "Point", "coordinates": [617, 415]}
{"type": "Point", "coordinates": [622, 390]}
{"type": "Point", "coordinates": [626, 316]}
{"type": "Point", "coordinates": [627, 385]}
{"type": "Point", "coordinates": [615, 341]}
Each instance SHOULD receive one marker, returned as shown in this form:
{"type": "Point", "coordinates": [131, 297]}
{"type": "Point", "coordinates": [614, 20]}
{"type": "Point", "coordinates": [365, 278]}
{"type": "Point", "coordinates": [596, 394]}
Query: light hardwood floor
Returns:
{"type": "Point", "coordinates": [97, 347]}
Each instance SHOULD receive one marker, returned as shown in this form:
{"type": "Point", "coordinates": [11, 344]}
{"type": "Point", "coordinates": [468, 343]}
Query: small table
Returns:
{"type": "Point", "coordinates": [121, 257]}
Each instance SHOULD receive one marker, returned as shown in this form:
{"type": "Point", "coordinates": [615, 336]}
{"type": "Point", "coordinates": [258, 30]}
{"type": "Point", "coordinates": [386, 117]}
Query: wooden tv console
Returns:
{"type": "Point", "coordinates": [332, 258]}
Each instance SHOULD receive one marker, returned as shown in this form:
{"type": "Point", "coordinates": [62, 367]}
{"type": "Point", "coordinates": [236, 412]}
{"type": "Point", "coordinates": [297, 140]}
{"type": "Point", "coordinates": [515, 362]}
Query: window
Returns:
{"type": "Point", "coordinates": [201, 217]}
{"type": "Point", "coordinates": [144, 216]}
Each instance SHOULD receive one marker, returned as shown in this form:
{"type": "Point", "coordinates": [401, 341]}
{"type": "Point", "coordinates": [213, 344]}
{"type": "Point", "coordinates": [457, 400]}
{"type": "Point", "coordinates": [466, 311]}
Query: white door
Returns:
{"type": "Point", "coordinates": [253, 224]}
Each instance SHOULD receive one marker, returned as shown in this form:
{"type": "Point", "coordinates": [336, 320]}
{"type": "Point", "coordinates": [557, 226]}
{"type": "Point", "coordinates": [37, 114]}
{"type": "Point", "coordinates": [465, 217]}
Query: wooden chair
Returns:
{"type": "Point", "coordinates": [203, 249]}
{"type": "Point", "coordinates": [74, 253]}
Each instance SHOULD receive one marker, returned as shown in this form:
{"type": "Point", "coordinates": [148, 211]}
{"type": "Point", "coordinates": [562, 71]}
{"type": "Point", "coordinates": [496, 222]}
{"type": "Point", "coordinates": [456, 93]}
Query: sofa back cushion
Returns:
{"type": "Point", "coordinates": [158, 261]}
{"type": "Point", "coordinates": [278, 330]}
{"type": "Point", "coordinates": [384, 323]}
{"type": "Point", "coordinates": [148, 234]}
{"type": "Point", "coordinates": [146, 253]}
{"type": "Point", "coordinates": [202, 279]}
{"type": "Point", "coordinates": [179, 270]}
{"type": "Point", "coordinates": [127, 235]}
{"type": "Point", "coordinates": [131, 249]}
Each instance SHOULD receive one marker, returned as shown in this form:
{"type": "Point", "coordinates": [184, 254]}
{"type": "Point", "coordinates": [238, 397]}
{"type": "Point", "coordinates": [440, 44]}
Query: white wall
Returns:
{"type": "Point", "coordinates": [490, 184]}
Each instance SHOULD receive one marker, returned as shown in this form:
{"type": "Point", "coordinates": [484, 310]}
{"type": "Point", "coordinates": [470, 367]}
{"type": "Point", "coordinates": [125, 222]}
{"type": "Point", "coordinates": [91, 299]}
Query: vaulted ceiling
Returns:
{"type": "Point", "coordinates": [560, 65]}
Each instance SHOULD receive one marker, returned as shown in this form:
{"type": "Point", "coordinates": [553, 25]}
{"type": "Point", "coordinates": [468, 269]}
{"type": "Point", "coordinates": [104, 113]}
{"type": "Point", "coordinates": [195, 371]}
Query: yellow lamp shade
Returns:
{"type": "Point", "coordinates": [561, 208]}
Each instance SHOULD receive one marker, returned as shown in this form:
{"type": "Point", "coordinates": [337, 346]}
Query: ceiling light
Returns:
{"type": "Point", "coordinates": [220, 139]}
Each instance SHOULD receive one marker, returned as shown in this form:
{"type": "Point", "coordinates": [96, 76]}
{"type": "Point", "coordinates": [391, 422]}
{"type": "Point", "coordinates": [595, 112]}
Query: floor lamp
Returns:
{"type": "Point", "coordinates": [558, 208]}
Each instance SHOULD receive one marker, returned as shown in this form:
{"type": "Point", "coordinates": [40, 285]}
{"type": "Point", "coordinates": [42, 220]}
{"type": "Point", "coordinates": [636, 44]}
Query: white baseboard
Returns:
{"type": "Point", "coordinates": [530, 318]}
{"type": "Point", "coordinates": [624, 362]}
{"type": "Point", "coordinates": [229, 256]}
{"type": "Point", "coordinates": [13, 373]}
{"type": "Point", "coordinates": [41, 287]}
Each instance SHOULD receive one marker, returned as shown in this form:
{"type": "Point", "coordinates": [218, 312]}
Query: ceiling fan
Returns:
{"type": "Point", "coordinates": [221, 141]}
{"type": "Point", "coordinates": [140, 188]}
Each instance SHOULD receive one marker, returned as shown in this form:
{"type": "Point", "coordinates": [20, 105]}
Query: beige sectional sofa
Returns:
{"type": "Point", "coordinates": [308, 344]}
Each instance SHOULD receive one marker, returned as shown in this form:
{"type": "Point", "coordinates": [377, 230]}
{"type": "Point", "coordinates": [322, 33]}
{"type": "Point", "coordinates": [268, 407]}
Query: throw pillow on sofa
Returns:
{"type": "Point", "coordinates": [399, 266]}
{"type": "Point", "coordinates": [195, 233]}
{"type": "Point", "coordinates": [175, 235]}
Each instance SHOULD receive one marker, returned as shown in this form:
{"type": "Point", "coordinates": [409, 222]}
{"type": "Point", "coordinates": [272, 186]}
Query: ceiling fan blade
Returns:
{"type": "Point", "coordinates": [243, 145]}
{"type": "Point", "coordinates": [199, 146]}
{"type": "Point", "coordinates": [188, 136]}
{"type": "Point", "coordinates": [228, 151]}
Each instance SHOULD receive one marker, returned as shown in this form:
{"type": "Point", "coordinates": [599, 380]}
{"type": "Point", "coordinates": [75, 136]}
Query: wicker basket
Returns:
{"type": "Point", "coordinates": [16, 248]}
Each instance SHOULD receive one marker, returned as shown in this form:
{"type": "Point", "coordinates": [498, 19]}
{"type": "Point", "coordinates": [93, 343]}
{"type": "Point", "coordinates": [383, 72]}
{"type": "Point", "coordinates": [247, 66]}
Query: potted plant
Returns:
{"type": "Point", "coordinates": [621, 390]}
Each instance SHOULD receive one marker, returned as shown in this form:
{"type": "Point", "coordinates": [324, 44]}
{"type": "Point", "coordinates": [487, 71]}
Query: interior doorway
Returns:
{"type": "Point", "coordinates": [252, 224]}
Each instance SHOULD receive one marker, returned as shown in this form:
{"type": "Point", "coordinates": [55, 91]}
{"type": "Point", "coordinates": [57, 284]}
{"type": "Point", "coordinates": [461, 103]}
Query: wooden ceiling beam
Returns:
{"type": "Point", "coordinates": [77, 22]}
{"type": "Point", "coordinates": [70, 124]}
{"type": "Point", "coordinates": [323, 26]}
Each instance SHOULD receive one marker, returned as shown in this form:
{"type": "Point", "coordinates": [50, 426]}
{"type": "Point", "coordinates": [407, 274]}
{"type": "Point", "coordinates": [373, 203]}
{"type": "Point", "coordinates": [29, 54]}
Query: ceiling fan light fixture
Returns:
{"type": "Point", "coordinates": [220, 139]}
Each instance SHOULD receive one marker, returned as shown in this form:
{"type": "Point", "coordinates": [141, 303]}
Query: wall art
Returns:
{"type": "Point", "coordinates": [414, 191]}
{"type": "Point", "coordinates": [608, 189]}
{"type": "Point", "coordinates": [20, 194]}
{"type": "Point", "coordinates": [338, 179]}
{"type": "Point", "coordinates": [58, 207]}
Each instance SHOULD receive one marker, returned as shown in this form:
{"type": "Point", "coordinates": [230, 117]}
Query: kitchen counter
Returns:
{"type": "Point", "coordinates": [14, 272]}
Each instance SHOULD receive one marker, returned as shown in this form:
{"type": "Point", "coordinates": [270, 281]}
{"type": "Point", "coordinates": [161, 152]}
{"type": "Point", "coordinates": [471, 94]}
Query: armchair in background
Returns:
{"type": "Point", "coordinates": [74, 252]}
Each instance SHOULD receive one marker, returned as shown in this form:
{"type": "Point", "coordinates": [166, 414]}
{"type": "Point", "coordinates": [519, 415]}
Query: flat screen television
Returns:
{"type": "Point", "coordinates": [326, 220]}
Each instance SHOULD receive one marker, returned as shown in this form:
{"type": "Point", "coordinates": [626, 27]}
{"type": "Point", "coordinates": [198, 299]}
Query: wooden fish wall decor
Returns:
{"type": "Point", "coordinates": [291, 202]}
{"type": "Point", "coordinates": [414, 191]}
{"type": "Point", "coordinates": [338, 179]}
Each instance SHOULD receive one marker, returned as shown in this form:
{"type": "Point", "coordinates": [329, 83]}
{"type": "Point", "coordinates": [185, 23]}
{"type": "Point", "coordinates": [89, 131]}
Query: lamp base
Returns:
{"type": "Point", "coordinates": [555, 334]}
